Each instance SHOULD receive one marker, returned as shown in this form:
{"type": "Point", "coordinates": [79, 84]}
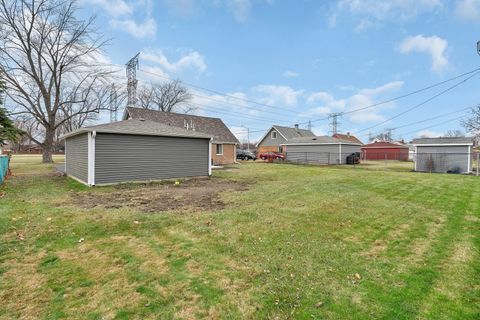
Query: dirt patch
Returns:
{"type": "Point", "coordinates": [192, 194]}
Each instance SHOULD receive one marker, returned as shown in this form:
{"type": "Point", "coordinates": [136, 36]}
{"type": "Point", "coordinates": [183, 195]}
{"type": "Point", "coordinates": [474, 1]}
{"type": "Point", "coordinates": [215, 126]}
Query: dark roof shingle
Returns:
{"type": "Point", "coordinates": [347, 137]}
{"type": "Point", "coordinates": [139, 127]}
{"type": "Point", "coordinates": [444, 140]}
{"type": "Point", "coordinates": [210, 126]}
{"type": "Point", "coordinates": [290, 133]}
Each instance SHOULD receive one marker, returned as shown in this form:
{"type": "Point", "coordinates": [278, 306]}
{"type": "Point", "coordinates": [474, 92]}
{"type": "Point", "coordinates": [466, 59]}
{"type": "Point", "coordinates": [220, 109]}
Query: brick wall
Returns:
{"type": "Point", "coordinates": [228, 157]}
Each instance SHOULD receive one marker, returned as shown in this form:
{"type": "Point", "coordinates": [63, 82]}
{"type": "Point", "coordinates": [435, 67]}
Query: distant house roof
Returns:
{"type": "Point", "coordinates": [139, 127]}
{"type": "Point", "coordinates": [444, 141]}
{"type": "Point", "coordinates": [347, 137]}
{"type": "Point", "coordinates": [211, 126]}
{"type": "Point", "coordinates": [318, 140]}
{"type": "Point", "coordinates": [384, 145]}
{"type": "Point", "coordinates": [288, 133]}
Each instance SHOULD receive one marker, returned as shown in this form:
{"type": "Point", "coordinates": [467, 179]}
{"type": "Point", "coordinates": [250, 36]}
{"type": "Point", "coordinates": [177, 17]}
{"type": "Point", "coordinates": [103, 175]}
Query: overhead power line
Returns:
{"type": "Point", "coordinates": [401, 96]}
{"type": "Point", "coordinates": [222, 93]}
{"type": "Point", "coordinates": [423, 102]}
{"type": "Point", "coordinates": [434, 125]}
{"type": "Point", "coordinates": [418, 122]}
{"type": "Point", "coordinates": [294, 112]}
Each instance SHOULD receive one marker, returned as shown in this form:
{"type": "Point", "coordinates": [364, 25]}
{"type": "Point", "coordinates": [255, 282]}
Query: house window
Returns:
{"type": "Point", "coordinates": [274, 134]}
{"type": "Point", "coordinates": [219, 149]}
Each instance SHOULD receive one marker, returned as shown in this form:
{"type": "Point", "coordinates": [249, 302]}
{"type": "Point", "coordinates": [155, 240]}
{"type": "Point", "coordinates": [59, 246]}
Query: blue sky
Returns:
{"type": "Point", "coordinates": [305, 59]}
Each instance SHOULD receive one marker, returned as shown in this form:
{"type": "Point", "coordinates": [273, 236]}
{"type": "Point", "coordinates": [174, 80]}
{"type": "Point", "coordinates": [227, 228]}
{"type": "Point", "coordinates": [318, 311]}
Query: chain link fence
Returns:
{"type": "Point", "coordinates": [389, 161]}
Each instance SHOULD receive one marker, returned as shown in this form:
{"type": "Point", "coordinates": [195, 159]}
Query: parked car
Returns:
{"type": "Point", "coordinates": [272, 156]}
{"type": "Point", "coordinates": [245, 155]}
{"type": "Point", "coordinates": [354, 158]}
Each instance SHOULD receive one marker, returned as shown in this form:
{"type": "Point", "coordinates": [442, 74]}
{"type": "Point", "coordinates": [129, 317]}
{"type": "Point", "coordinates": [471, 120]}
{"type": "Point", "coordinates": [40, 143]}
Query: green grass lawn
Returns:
{"type": "Point", "coordinates": [302, 242]}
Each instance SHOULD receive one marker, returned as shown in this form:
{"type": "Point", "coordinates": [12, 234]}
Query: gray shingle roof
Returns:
{"type": "Point", "coordinates": [290, 133]}
{"type": "Point", "coordinates": [211, 126]}
{"type": "Point", "coordinates": [140, 127]}
{"type": "Point", "coordinates": [318, 140]}
{"type": "Point", "coordinates": [444, 140]}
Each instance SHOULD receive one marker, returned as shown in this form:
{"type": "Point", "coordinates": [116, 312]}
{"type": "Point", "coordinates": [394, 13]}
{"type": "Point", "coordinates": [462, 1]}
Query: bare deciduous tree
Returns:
{"type": "Point", "coordinates": [51, 64]}
{"type": "Point", "coordinates": [168, 97]}
{"type": "Point", "coordinates": [472, 124]}
{"type": "Point", "coordinates": [454, 134]}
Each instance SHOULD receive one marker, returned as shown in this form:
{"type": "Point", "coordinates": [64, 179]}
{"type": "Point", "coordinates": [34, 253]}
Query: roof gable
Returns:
{"type": "Point", "coordinates": [288, 133]}
{"type": "Point", "coordinates": [211, 126]}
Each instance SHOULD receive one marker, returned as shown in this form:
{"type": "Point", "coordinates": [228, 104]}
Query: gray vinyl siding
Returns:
{"type": "Point", "coordinates": [322, 154]}
{"type": "Point", "coordinates": [123, 158]}
{"type": "Point", "coordinates": [349, 149]}
{"type": "Point", "coordinates": [76, 157]}
{"type": "Point", "coordinates": [269, 142]}
{"type": "Point", "coordinates": [442, 158]}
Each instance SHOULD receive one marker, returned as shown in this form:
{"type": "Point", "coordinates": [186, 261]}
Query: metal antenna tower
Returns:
{"type": "Point", "coordinates": [132, 66]}
{"type": "Point", "coordinates": [113, 104]}
{"type": "Point", "coordinates": [334, 121]}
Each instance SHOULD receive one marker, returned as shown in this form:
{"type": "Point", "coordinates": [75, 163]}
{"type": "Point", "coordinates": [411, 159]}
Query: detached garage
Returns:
{"type": "Point", "coordinates": [135, 150]}
{"type": "Point", "coordinates": [384, 150]}
{"type": "Point", "coordinates": [452, 155]}
{"type": "Point", "coordinates": [321, 150]}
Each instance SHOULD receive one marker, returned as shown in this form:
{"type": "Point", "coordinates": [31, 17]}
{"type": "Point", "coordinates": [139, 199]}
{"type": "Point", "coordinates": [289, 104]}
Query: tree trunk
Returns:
{"type": "Point", "coordinates": [48, 146]}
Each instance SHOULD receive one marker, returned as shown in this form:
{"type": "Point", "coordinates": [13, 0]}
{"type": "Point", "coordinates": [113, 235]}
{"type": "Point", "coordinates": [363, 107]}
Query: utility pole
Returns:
{"type": "Point", "coordinates": [248, 138]}
{"type": "Point", "coordinates": [132, 66]}
{"type": "Point", "coordinates": [370, 138]}
{"type": "Point", "coordinates": [309, 125]}
{"type": "Point", "coordinates": [113, 104]}
{"type": "Point", "coordinates": [334, 121]}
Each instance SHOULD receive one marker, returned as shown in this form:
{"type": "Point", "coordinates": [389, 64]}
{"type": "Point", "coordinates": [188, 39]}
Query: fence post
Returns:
{"type": "Point", "coordinates": [478, 161]}
{"type": "Point", "coordinates": [385, 161]}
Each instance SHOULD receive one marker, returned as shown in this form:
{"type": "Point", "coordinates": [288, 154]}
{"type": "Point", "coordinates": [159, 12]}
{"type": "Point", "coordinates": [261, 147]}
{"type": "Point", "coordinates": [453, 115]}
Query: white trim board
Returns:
{"type": "Point", "coordinates": [442, 144]}
{"type": "Point", "coordinates": [210, 157]}
{"type": "Point", "coordinates": [91, 157]}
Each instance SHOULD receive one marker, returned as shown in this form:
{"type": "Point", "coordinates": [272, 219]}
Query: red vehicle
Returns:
{"type": "Point", "coordinates": [270, 156]}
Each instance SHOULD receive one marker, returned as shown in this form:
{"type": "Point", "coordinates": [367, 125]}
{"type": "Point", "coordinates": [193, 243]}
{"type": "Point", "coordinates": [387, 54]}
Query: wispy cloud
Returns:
{"type": "Point", "coordinates": [427, 134]}
{"type": "Point", "coordinates": [114, 8]}
{"type": "Point", "coordinates": [468, 10]}
{"type": "Point", "coordinates": [324, 103]}
{"type": "Point", "coordinates": [127, 16]}
{"type": "Point", "coordinates": [145, 29]}
{"type": "Point", "coordinates": [278, 95]}
{"type": "Point", "coordinates": [434, 46]}
{"type": "Point", "coordinates": [374, 12]}
{"type": "Point", "coordinates": [290, 74]}
{"type": "Point", "coordinates": [188, 61]}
